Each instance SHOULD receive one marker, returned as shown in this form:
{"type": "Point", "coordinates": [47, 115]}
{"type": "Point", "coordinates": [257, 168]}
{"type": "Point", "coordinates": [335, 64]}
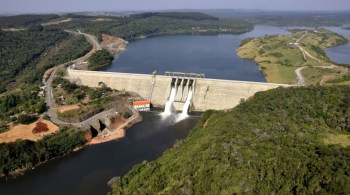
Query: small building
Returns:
{"type": "Point", "coordinates": [142, 105]}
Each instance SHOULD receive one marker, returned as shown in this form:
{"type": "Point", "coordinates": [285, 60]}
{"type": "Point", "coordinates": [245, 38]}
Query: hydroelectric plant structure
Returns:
{"type": "Point", "coordinates": [176, 90]}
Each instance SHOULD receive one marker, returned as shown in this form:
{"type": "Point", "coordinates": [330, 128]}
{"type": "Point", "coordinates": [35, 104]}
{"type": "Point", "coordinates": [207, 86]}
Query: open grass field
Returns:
{"type": "Point", "coordinates": [280, 55]}
{"type": "Point", "coordinates": [337, 139]}
{"type": "Point", "coordinates": [313, 76]}
{"type": "Point", "coordinates": [67, 108]}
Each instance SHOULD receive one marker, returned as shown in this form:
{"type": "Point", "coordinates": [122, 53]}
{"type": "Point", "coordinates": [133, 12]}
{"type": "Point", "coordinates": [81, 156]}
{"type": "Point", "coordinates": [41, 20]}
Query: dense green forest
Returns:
{"type": "Point", "coordinates": [26, 55]}
{"type": "Point", "coordinates": [25, 20]}
{"type": "Point", "coordinates": [151, 24]}
{"type": "Point", "coordinates": [99, 59]}
{"type": "Point", "coordinates": [26, 154]}
{"type": "Point", "coordinates": [282, 141]}
{"type": "Point", "coordinates": [69, 49]}
{"type": "Point", "coordinates": [176, 15]}
{"type": "Point", "coordinates": [21, 50]}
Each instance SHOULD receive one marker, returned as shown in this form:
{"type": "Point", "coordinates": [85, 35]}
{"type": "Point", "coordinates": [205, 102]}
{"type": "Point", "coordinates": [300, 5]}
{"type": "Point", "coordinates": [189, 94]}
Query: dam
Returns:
{"type": "Point", "coordinates": [205, 93]}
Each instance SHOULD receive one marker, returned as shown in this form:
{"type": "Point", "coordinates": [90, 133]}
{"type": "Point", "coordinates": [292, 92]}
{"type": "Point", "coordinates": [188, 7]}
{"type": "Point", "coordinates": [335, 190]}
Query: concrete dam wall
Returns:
{"type": "Point", "coordinates": [207, 93]}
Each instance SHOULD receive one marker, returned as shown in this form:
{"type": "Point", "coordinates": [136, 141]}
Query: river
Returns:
{"type": "Point", "coordinates": [88, 170]}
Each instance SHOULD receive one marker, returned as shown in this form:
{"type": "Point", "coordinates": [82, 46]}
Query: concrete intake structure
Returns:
{"type": "Point", "coordinates": [207, 93]}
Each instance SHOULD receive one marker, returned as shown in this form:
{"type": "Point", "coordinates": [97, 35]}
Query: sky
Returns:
{"type": "Point", "coordinates": [45, 6]}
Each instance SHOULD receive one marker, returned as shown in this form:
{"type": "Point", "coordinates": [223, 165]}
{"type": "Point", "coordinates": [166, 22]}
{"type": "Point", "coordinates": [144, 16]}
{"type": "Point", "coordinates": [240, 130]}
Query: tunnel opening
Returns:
{"type": "Point", "coordinates": [185, 82]}
{"type": "Point", "coordinates": [173, 81]}
{"type": "Point", "coordinates": [93, 131]}
{"type": "Point", "coordinates": [102, 125]}
{"type": "Point", "coordinates": [179, 82]}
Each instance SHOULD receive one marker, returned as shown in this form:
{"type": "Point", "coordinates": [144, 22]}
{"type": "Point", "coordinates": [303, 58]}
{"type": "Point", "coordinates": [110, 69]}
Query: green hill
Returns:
{"type": "Point", "coordinates": [25, 20]}
{"type": "Point", "coordinates": [283, 141]}
{"type": "Point", "coordinates": [140, 26]}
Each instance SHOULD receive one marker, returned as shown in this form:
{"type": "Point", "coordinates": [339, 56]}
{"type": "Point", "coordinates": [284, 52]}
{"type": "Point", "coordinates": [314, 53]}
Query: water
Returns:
{"type": "Point", "coordinates": [213, 55]}
{"type": "Point", "coordinates": [340, 54]}
{"type": "Point", "coordinates": [187, 104]}
{"type": "Point", "coordinates": [88, 171]}
{"type": "Point", "coordinates": [169, 103]}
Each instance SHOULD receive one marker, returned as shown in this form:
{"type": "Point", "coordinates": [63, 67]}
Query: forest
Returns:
{"type": "Point", "coordinates": [21, 100]}
{"type": "Point", "coordinates": [152, 24]}
{"type": "Point", "coordinates": [25, 20]}
{"type": "Point", "coordinates": [176, 15]}
{"type": "Point", "coordinates": [24, 57]}
{"type": "Point", "coordinates": [99, 59]}
{"type": "Point", "coordinates": [21, 50]}
{"type": "Point", "coordinates": [282, 141]}
{"type": "Point", "coordinates": [26, 154]}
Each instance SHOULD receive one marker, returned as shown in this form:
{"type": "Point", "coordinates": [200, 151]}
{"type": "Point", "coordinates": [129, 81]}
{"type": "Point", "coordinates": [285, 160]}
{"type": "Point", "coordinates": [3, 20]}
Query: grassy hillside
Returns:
{"type": "Point", "coordinates": [281, 141]}
{"type": "Point", "coordinates": [279, 55]}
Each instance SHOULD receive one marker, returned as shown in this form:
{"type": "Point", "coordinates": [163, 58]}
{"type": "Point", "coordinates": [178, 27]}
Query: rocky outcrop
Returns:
{"type": "Point", "coordinates": [113, 44]}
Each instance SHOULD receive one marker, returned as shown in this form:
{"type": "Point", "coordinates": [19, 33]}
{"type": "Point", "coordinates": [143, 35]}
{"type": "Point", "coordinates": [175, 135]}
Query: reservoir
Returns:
{"type": "Point", "coordinates": [341, 53]}
{"type": "Point", "coordinates": [213, 55]}
{"type": "Point", "coordinates": [88, 170]}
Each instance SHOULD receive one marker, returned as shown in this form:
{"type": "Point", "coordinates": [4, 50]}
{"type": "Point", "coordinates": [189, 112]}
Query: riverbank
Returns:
{"type": "Point", "coordinates": [117, 132]}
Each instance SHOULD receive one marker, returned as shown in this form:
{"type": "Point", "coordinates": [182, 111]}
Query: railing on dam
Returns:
{"type": "Point", "coordinates": [184, 74]}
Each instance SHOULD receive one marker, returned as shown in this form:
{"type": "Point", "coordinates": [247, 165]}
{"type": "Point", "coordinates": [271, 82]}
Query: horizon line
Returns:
{"type": "Point", "coordinates": [165, 10]}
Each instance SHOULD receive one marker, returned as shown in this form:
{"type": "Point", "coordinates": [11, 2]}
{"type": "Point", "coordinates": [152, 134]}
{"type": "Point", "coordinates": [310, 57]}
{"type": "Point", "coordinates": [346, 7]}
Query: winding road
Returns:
{"type": "Point", "coordinates": [50, 101]}
{"type": "Point", "coordinates": [301, 80]}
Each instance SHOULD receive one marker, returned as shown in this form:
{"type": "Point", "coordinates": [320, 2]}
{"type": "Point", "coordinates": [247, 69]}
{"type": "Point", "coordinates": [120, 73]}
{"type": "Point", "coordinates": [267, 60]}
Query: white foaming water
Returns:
{"type": "Point", "coordinates": [169, 103]}
{"type": "Point", "coordinates": [187, 104]}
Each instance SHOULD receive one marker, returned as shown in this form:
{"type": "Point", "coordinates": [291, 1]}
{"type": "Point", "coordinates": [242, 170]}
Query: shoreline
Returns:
{"type": "Point", "coordinates": [118, 133]}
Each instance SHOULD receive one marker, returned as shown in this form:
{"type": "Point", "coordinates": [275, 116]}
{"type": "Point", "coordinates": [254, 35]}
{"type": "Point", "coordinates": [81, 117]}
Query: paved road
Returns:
{"type": "Point", "coordinates": [93, 39]}
{"type": "Point", "coordinates": [50, 101]}
{"type": "Point", "coordinates": [56, 22]}
{"type": "Point", "coordinates": [301, 80]}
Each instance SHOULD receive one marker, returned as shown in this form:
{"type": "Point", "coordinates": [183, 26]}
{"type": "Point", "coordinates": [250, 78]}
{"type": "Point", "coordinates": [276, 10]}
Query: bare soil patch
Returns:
{"type": "Point", "coordinates": [40, 128]}
{"type": "Point", "coordinates": [48, 73]}
{"type": "Point", "coordinates": [25, 132]}
{"type": "Point", "coordinates": [102, 19]}
{"type": "Point", "coordinates": [116, 122]}
{"type": "Point", "coordinates": [63, 109]}
{"type": "Point", "coordinates": [113, 44]}
{"type": "Point", "coordinates": [97, 140]}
